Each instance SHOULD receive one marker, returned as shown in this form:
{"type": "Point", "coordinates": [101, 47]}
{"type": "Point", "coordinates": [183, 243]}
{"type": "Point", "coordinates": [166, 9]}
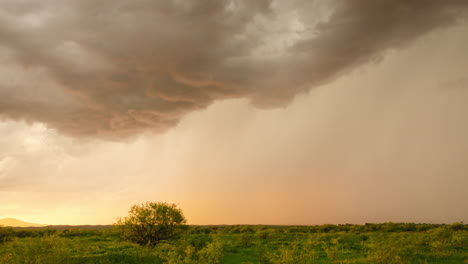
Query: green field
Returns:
{"type": "Point", "coordinates": [370, 243]}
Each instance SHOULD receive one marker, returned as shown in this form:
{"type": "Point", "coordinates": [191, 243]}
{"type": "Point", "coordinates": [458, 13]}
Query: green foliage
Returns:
{"type": "Point", "coordinates": [185, 253]}
{"type": "Point", "coordinates": [35, 233]}
{"type": "Point", "coordinates": [385, 250]}
{"type": "Point", "coordinates": [458, 226]}
{"type": "Point", "coordinates": [25, 233]}
{"type": "Point", "coordinates": [42, 250]}
{"type": "Point", "coordinates": [332, 250]}
{"type": "Point", "coordinates": [446, 244]}
{"type": "Point", "coordinates": [293, 253]}
{"type": "Point", "coordinates": [264, 234]}
{"type": "Point", "coordinates": [74, 250]}
{"type": "Point", "coordinates": [6, 234]}
{"type": "Point", "coordinates": [78, 232]}
{"type": "Point", "coordinates": [246, 239]}
{"type": "Point", "coordinates": [198, 241]}
{"type": "Point", "coordinates": [151, 222]}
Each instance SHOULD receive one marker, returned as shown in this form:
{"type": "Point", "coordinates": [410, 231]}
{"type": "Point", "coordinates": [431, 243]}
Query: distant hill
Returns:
{"type": "Point", "coordinates": [17, 223]}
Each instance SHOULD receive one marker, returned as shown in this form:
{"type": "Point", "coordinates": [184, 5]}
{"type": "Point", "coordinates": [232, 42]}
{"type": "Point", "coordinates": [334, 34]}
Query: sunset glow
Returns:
{"type": "Point", "coordinates": [241, 112]}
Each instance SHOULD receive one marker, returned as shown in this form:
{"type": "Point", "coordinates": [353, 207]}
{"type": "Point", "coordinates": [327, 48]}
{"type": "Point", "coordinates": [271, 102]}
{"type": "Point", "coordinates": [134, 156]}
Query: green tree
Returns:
{"type": "Point", "coordinates": [151, 222]}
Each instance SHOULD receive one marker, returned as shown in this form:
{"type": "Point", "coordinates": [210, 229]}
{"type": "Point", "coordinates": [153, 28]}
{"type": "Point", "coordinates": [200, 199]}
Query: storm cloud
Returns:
{"type": "Point", "coordinates": [115, 69]}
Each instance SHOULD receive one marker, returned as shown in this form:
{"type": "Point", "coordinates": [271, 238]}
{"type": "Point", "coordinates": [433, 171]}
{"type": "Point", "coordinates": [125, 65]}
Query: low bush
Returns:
{"type": "Point", "coordinates": [44, 250]}
{"type": "Point", "coordinates": [6, 234]}
{"type": "Point", "coordinates": [292, 253]}
{"type": "Point", "coordinates": [184, 253]}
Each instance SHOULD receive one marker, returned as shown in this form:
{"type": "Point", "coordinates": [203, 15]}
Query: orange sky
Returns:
{"type": "Point", "coordinates": [382, 139]}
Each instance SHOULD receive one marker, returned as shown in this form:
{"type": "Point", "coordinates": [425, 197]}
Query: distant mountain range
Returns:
{"type": "Point", "coordinates": [17, 223]}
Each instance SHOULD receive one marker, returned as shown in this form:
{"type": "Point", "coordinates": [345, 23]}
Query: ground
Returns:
{"type": "Point", "coordinates": [371, 243]}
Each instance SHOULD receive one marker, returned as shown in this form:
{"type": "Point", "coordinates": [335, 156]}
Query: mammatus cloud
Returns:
{"type": "Point", "coordinates": [114, 69]}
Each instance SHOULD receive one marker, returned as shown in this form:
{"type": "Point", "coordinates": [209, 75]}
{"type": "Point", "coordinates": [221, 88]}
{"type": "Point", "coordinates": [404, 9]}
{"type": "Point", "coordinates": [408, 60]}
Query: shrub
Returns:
{"type": "Point", "coordinates": [151, 222]}
{"type": "Point", "coordinates": [24, 233]}
{"type": "Point", "coordinates": [263, 234]}
{"type": "Point", "coordinates": [44, 250]}
{"type": "Point", "coordinates": [246, 240]}
{"type": "Point", "coordinates": [293, 253]}
{"type": "Point", "coordinates": [78, 232]}
{"type": "Point", "coordinates": [6, 234]}
{"type": "Point", "coordinates": [184, 253]}
{"type": "Point", "coordinates": [391, 248]}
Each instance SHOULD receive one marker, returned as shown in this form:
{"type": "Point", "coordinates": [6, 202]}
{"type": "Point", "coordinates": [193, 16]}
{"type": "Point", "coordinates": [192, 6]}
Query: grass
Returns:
{"type": "Point", "coordinates": [380, 244]}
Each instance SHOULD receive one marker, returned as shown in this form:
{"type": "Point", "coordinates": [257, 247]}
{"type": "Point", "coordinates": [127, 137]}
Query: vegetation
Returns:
{"type": "Point", "coordinates": [6, 234]}
{"type": "Point", "coordinates": [386, 243]}
{"type": "Point", "coordinates": [150, 223]}
{"type": "Point", "coordinates": [155, 233]}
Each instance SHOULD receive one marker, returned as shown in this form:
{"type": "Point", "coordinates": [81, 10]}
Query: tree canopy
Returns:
{"type": "Point", "coordinates": [151, 222]}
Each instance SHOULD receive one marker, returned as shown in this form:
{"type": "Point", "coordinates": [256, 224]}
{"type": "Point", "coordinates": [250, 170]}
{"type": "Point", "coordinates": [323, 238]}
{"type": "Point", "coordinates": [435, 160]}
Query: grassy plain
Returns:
{"type": "Point", "coordinates": [387, 243]}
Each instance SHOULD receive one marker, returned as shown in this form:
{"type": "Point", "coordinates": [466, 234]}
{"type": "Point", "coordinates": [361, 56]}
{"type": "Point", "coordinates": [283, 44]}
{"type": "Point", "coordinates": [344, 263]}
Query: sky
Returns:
{"type": "Point", "coordinates": [241, 112]}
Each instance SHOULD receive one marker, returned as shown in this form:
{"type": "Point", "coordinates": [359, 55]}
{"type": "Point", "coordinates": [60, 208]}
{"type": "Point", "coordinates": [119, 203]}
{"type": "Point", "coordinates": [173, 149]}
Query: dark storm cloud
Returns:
{"type": "Point", "coordinates": [130, 66]}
